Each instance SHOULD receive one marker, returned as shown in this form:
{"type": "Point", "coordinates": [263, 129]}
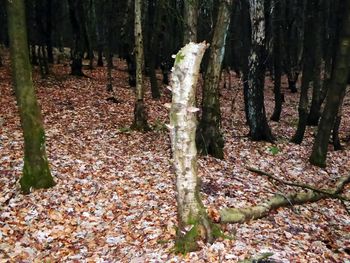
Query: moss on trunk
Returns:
{"type": "Point", "coordinates": [36, 171]}
{"type": "Point", "coordinates": [209, 137]}
{"type": "Point", "coordinates": [194, 223]}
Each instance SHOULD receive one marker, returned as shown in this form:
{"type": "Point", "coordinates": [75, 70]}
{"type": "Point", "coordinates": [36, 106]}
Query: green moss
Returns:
{"type": "Point", "coordinates": [274, 150]}
{"type": "Point", "coordinates": [187, 242]}
{"type": "Point", "coordinates": [125, 129]}
{"type": "Point", "coordinates": [217, 232]}
{"type": "Point", "coordinates": [36, 175]}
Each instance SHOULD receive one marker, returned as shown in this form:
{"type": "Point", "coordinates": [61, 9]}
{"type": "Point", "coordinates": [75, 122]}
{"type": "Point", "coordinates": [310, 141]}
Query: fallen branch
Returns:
{"type": "Point", "coordinates": [330, 193]}
{"type": "Point", "coordinates": [240, 215]}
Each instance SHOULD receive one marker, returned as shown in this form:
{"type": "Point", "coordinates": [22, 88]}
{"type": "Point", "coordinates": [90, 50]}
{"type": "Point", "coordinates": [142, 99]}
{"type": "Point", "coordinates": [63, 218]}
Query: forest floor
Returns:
{"type": "Point", "coordinates": [115, 198]}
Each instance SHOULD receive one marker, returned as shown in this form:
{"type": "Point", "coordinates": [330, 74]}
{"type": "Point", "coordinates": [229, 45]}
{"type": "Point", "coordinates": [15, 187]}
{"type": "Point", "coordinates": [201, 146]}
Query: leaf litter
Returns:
{"type": "Point", "coordinates": [115, 197]}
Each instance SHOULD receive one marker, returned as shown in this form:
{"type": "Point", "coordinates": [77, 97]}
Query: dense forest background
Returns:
{"type": "Point", "coordinates": [119, 141]}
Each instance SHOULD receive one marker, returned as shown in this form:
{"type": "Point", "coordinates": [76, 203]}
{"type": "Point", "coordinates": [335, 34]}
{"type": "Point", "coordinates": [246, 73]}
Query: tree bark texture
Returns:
{"type": "Point", "coordinates": [140, 117]}
{"type": "Point", "coordinates": [308, 70]}
{"type": "Point", "coordinates": [335, 92]}
{"type": "Point", "coordinates": [154, 21]}
{"type": "Point", "coordinates": [193, 220]}
{"type": "Point", "coordinates": [316, 101]}
{"type": "Point", "coordinates": [190, 20]}
{"type": "Point", "coordinates": [277, 57]}
{"type": "Point", "coordinates": [259, 128]}
{"type": "Point", "coordinates": [209, 137]}
{"type": "Point", "coordinates": [292, 38]}
{"type": "Point", "coordinates": [36, 171]}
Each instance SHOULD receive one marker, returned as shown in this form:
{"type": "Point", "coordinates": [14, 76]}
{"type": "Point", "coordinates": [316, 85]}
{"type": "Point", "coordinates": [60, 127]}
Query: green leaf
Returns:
{"type": "Point", "coordinates": [274, 150]}
{"type": "Point", "coordinates": [179, 57]}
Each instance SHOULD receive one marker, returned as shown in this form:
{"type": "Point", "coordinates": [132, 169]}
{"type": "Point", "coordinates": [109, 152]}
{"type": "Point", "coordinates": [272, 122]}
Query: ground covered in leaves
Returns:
{"type": "Point", "coordinates": [115, 199]}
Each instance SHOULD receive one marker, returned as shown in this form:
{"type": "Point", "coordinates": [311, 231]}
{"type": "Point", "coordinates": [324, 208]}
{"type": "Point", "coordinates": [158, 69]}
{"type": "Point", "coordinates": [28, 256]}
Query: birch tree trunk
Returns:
{"type": "Point", "coordinates": [259, 128]}
{"type": "Point", "coordinates": [36, 171]}
{"type": "Point", "coordinates": [193, 220]}
{"type": "Point", "coordinates": [140, 118]}
{"type": "Point", "coordinates": [209, 137]}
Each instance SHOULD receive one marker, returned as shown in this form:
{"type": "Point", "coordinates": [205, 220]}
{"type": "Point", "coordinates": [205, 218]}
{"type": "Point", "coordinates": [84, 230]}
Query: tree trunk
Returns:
{"type": "Point", "coordinates": [190, 21]}
{"type": "Point", "coordinates": [140, 117]}
{"type": "Point", "coordinates": [193, 220]}
{"type": "Point", "coordinates": [77, 21]}
{"type": "Point", "coordinates": [315, 108]}
{"type": "Point", "coordinates": [36, 171]}
{"type": "Point", "coordinates": [259, 128]}
{"type": "Point", "coordinates": [154, 15]}
{"type": "Point", "coordinates": [209, 137]}
{"type": "Point", "coordinates": [292, 39]}
{"type": "Point", "coordinates": [335, 93]}
{"type": "Point", "coordinates": [308, 64]}
{"type": "Point", "coordinates": [277, 39]}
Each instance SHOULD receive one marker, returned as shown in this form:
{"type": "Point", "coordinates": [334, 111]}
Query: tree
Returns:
{"type": "Point", "coordinates": [154, 16]}
{"type": "Point", "coordinates": [209, 137]}
{"type": "Point", "coordinates": [140, 118]}
{"type": "Point", "coordinates": [259, 128]}
{"type": "Point", "coordinates": [308, 68]}
{"type": "Point", "coordinates": [36, 171]}
{"type": "Point", "coordinates": [194, 223]}
{"type": "Point", "coordinates": [335, 93]}
{"type": "Point", "coordinates": [292, 40]}
{"type": "Point", "coordinates": [190, 21]}
{"type": "Point", "coordinates": [316, 101]}
{"type": "Point", "coordinates": [277, 57]}
{"type": "Point", "coordinates": [77, 18]}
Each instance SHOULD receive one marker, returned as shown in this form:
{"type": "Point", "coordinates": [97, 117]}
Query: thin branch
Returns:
{"type": "Point", "coordinates": [333, 194]}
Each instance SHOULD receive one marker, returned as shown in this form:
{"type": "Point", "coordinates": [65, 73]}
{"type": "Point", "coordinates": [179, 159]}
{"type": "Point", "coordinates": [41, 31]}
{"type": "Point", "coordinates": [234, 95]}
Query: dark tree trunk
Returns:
{"type": "Point", "coordinates": [315, 109]}
{"type": "Point", "coordinates": [292, 37]}
{"type": "Point", "coordinates": [259, 128]}
{"type": "Point", "coordinates": [335, 93]}
{"type": "Point", "coordinates": [190, 21]}
{"type": "Point", "coordinates": [209, 137]}
{"type": "Point", "coordinates": [245, 49]}
{"type": "Point", "coordinates": [100, 58]}
{"type": "Point", "coordinates": [76, 15]}
{"type": "Point", "coordinates": [277, 38]}
{"type": "Point", "coordinates": [36, 171]}
{"type": "Point", "coordinates": [153, 25]}
{"type": "Point", "coordinates": [308, 64]}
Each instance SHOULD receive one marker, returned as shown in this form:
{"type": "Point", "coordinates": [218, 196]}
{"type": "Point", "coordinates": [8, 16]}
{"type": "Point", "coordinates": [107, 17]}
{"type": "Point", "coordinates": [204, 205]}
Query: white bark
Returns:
{"type": "Point", "coordinates": [182, 127]}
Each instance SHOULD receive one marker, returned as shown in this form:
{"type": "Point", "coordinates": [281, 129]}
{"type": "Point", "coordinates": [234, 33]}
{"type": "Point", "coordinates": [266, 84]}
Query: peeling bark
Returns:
{"type": "Point", "coordinates": [193, 220]}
